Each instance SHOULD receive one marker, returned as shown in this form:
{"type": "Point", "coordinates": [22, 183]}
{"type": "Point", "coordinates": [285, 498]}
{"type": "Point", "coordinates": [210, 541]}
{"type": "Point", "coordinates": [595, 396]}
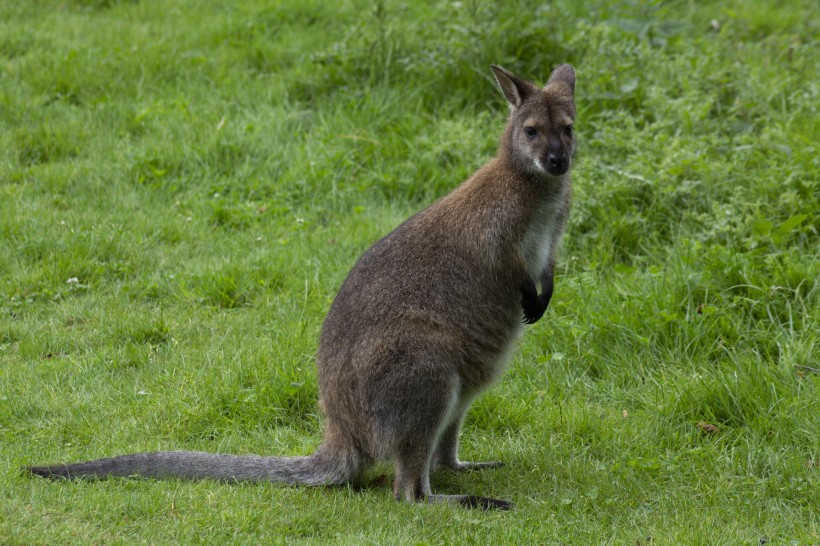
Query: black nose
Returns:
{"type": "Point", "coordinates": [556, 160]}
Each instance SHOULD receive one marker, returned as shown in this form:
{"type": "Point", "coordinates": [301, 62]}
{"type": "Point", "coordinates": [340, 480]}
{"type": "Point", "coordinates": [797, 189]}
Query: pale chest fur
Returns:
{"type": "Point", "coordinates": [543, 235]}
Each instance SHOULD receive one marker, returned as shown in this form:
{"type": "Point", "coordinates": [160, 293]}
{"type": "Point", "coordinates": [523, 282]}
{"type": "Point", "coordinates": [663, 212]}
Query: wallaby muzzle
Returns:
{"type": "Point", "coordinates": [556, 164]}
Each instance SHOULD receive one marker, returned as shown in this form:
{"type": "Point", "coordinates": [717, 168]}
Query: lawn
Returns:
{"type": "Point", "coordinates": [185, 184]}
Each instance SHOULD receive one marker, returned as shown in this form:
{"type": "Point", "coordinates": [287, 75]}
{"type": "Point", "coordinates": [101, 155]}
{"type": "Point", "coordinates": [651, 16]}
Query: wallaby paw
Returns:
{"type": "Point", "coordinates": [533, 310]}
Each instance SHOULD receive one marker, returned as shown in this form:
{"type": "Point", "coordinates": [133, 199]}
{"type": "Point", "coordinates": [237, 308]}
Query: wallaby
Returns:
{"type": "Point", "coordinates": [425, 321]}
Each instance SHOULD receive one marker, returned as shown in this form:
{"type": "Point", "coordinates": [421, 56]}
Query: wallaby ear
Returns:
{"type": "Point", "coordinates": [563, 74]}
{"type": "Point", "coordinates": [513, 87]}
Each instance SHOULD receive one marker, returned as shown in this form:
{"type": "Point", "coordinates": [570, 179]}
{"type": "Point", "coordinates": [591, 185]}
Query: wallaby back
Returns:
{"type": "Point", "coordinates": [426, 319]}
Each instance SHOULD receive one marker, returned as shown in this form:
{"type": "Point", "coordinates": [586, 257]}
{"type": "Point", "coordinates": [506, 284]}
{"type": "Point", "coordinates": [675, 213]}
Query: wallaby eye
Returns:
{"type": "Point", "coordinates": [531, 132]}
{"type": "Point", "coordinates": [568, 130]}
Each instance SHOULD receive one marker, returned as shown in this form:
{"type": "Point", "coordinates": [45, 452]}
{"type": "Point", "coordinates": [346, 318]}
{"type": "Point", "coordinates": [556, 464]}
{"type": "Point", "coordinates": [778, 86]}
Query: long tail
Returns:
{"type": "Point", "coordinates": [318, 469]}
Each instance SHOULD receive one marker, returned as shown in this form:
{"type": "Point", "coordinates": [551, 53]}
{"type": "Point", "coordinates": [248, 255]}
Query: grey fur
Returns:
{"type": "Point", "coordinates": [425, 321]}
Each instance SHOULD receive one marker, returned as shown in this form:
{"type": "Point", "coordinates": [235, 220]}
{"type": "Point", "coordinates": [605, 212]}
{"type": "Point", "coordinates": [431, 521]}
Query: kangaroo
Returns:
{"type": "Point", "coordinates": [425, 321]}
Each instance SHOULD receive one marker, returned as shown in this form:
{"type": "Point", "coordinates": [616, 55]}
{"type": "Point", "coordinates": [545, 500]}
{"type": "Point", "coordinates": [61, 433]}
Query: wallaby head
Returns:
{"type": "Point", "coordinates": [539, 138]}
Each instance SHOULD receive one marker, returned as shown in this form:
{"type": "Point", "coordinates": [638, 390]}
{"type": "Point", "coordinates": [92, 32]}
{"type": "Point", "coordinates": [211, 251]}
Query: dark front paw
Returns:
{"type": "Point", "coordinates": [533, 305]}
{"type": "Point", "coordinates": [533, 310]}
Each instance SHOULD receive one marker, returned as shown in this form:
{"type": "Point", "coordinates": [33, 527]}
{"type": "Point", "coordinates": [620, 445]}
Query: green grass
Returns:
{"type": "Point", "coordinates": [184, 185]}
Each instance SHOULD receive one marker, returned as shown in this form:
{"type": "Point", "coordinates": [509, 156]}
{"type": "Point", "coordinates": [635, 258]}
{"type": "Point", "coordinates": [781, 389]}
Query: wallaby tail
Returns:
{"type": "Point", "coordinates": [318, 469]}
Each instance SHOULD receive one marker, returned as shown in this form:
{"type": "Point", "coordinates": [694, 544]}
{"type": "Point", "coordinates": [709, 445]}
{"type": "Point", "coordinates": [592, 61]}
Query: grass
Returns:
{"type": "Point", "coordinates": [184, 185]}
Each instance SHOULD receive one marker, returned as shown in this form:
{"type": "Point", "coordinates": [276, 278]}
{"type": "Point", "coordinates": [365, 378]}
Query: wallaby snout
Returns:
{"type": "Point", "coordinates": [557, 163]}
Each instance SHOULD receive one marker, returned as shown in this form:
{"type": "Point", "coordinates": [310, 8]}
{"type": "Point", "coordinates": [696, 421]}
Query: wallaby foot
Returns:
{"type": "Point", "coordinates": [467, 466]}
{"type": "Point", "coordinates": [472, 501]}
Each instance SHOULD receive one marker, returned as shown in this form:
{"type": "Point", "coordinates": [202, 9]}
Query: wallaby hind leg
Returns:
{"type": "Point", "coordinates": [419, 416]}
{"type": "Point", "coordinates": [414, 456]}
{"type": "Point", "coordinates": [412, 419]}
{"type": "Point", "coordinates": [447, 451]}
{"type": "Point", "coordinates": [412, 481]}
{"type": "Point", "coordinates": [447, 456]}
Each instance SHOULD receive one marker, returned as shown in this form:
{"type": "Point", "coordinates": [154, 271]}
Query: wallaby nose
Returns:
{"type": "Point", "coordinates": [556, 160]}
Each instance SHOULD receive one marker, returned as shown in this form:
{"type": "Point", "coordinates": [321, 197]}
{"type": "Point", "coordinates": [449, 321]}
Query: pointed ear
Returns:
{"type": "Point", "coordinates": [563, 74]}
{"type": "Point", "coordinates": [513, 87]}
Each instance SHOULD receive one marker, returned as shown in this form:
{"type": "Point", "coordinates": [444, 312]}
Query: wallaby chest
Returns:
{"type": "Point", "coordinates": [543, 233]}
